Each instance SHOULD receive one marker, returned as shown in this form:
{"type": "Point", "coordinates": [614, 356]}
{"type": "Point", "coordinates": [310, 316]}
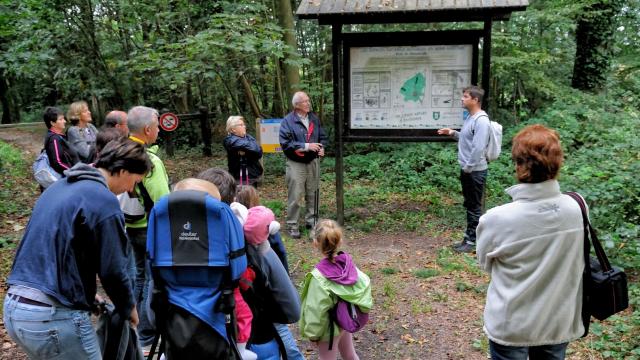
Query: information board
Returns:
{"type": "Point", "coordinates": [408, 87]}
{"type": "Point", "coordinates": [270, 135]}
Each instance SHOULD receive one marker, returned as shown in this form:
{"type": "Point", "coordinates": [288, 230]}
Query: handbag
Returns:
{"type": "Point", "coordinates": [44, 174]}
{"type": "Point", "coordinates": [605, 287]}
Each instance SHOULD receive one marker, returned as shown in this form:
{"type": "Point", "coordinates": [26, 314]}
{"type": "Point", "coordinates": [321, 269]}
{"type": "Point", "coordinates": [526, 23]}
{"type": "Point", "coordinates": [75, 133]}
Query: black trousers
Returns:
{"type": "Point", "coordinates": [473, 192]}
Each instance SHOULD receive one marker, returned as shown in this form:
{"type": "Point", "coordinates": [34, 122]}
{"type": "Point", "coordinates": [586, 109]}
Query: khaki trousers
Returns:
{"type": "Point", "coordinates": [302, 180]}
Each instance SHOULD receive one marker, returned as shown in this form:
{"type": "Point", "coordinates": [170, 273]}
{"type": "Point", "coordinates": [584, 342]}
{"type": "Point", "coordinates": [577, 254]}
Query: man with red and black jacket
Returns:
{"type": "Point", "coordinates": [302, 141]}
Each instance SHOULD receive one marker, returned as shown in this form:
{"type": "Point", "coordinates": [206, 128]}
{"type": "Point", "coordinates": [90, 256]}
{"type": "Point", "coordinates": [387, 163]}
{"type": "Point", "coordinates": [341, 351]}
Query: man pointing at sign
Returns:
{"type": "Point", "coordinates": [302, 140]}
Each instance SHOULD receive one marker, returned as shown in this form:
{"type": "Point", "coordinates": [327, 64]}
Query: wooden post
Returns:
{"type": "Point", "coordinates": [205, 129]}
{"type": "Point", "coordinates": [336, 29]}
{"type": "Point", "coordinates": [486, 62]}
{"type": "Point", "coordinates": [169, 148]}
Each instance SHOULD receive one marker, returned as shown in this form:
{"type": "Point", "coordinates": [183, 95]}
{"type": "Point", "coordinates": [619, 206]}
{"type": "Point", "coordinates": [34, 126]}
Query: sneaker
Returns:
{"type": "Point", "coordinates": [465, 247]}
{"type": "Point", "coordinates": [294, 233]}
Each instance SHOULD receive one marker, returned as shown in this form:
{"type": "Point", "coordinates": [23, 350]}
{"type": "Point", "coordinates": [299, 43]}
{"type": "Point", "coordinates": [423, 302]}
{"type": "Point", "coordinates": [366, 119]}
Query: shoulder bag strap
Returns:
{"type": "Point", "coordinates": [589, 232]}
{"type": "Point", "coordinates": [586, 274]}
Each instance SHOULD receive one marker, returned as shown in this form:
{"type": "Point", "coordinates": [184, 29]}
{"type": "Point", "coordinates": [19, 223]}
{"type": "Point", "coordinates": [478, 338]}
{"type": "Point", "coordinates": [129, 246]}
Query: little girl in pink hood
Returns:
{"type": "Point", "coordinates": [335, 276]}
{"type": "Point", "coordinates": [271, 295]}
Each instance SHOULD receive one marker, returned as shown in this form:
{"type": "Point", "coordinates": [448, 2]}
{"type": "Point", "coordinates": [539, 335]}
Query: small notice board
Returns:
{"type": "Point", "coordinates": [269, 135]}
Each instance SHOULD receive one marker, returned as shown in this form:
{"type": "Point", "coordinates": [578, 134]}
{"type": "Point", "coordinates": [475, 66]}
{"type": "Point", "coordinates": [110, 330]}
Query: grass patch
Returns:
{"type": "Point", "coordinates": [418, 307]}
{"type": "Point", "coordinates": [449, 262]}
{"type": "Point", "coordinates": [426, 273]}
{"type": "Point", "coordinates": [389, 271]}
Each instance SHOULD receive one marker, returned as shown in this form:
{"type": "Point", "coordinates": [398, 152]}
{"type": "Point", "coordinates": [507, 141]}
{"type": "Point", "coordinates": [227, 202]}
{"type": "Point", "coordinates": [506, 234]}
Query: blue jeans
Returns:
{"type": "Point", "coordinates": [138, 240]}
{"type": "Point", "coordinates": [51, 332]}
{"type": "Point", "coordinates": [266, 351]}
{"type": "Point", "coordinates": [473, 193]}
{"type": "Point", "coordinates": [290, 346]}
{"type": "Point", "coordinates": [543, 352]}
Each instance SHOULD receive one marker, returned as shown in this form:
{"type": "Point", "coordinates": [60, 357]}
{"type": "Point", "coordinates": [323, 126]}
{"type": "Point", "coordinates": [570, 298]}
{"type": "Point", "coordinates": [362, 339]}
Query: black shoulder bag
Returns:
{"type": "Point", "coordinates": [605, 287]}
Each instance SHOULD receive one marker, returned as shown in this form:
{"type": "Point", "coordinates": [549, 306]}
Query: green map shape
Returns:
{"type": "Point", "coordinates": [413, 88]}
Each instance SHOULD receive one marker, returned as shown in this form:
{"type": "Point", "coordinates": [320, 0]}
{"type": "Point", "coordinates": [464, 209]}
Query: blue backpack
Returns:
{"type": "Point", "coordinates": [191, 228]}
{"type": "Point", "coordinates": [194, 241]}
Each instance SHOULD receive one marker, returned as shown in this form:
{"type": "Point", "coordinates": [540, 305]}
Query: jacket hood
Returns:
{"type": "Point", "coordinates": [82, 171]}
{"type": "Point", "coordinates": [342, 271]}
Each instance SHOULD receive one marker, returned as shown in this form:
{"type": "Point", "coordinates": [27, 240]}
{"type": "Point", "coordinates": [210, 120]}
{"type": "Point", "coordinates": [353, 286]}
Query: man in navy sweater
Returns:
{"type": "Point", "coordinates": [76, 232]}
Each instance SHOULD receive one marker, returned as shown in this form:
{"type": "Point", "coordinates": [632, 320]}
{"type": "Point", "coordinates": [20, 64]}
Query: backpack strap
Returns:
{"type": "Point", "coordinates": [332, 321]}
{"type": "Point", "coordinates": [146, 198]}
{"type": "Point", "coordinates": [475, 121]}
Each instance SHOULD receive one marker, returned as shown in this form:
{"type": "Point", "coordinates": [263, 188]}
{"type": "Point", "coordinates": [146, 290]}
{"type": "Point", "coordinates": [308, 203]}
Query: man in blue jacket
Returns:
{"type": "Point", "coordinates": [76, 232]}
{"type": "Point", "coordinates": [302, 141]}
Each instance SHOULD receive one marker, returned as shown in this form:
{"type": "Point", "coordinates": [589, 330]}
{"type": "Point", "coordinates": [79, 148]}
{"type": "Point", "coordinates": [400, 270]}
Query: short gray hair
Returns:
{"type": "Point", "coordinates": [296, 97]}
{"type": "Point", "coordinates": [140, 116]}
{"type": "Point", "coordinates": [233, 121]}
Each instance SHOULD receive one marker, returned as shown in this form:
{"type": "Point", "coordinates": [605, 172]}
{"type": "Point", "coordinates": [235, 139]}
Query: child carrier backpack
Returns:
{"type": "Point", "coordinates": [43, 172]}
{"type": "Point", "coordinates": [494, 146]}
{"type": "Point", "coordinates": [193, 238]}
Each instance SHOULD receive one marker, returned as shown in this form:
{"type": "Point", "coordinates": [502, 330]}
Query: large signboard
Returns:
{"type": "Point", "coordinates": [408, 87]}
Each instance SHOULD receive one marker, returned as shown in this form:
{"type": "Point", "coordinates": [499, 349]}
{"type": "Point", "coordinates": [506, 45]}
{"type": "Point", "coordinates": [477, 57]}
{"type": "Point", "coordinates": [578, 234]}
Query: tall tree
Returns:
{"type": "Point", "coordinates": [596, 24]}
{"type": "Point", "coordinates": [291, 70]}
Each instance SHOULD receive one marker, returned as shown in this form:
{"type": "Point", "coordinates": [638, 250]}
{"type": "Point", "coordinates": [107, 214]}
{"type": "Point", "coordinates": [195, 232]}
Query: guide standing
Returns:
{"type": "Point", "coordinates": [472, 139]}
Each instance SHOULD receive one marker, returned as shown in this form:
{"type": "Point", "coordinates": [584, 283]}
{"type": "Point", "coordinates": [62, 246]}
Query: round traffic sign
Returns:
{"type": "Point", "coordinates": [168, 121]}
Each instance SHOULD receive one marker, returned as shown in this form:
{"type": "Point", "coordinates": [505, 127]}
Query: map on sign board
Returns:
{"type": "Point", "coordinates": [408, 87]}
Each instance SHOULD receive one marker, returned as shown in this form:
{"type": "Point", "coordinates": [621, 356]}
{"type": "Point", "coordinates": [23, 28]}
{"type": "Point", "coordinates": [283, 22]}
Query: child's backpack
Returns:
{"type": "Point", "coordinates": [494, 146]}
{"type": "Point", "coordinates": [43, 172]}
{"type": "Point", "coordinates": [348, 316]}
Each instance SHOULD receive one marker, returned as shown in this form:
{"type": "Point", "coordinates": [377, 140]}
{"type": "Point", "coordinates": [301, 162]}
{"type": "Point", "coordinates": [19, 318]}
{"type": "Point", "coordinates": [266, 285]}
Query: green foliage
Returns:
{"type": "Point", "coordinates": [619, 336]}
{"type": "Point", "coordinates": [11, 162]}
{"type": "Point", "coordinates": [12, 168]}
{"type": "Point", "coordinates": [276, 206]}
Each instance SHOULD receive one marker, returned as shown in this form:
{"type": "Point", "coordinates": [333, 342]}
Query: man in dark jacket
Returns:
{"type": "Point", "coordinates": [76, 232]}
{"type": "Point", "coordinates": [303, 141]}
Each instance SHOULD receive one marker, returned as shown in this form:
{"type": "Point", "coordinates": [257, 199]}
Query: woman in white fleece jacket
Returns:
{"type": "Point", "coordinates": [533, 249]}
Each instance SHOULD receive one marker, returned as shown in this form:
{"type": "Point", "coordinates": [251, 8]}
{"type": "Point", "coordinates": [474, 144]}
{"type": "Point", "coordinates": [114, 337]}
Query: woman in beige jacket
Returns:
{"type": "Point", "coordinates": [533, 249]}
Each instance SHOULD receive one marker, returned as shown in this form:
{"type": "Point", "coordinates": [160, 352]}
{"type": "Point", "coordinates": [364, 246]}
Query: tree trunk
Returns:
{"type": "Point", "coordinates": [292, 73]}
{"type": "Point", "coordinates": [593, 45]}
{"type": "Point", "coordinates": [248, 93]}
{"type": "Point", "coordinates": [10, 112]}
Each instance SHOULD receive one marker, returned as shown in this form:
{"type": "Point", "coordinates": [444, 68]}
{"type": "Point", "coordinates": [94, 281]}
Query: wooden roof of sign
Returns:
{"type": "Point", "coordinates": [404, 11]}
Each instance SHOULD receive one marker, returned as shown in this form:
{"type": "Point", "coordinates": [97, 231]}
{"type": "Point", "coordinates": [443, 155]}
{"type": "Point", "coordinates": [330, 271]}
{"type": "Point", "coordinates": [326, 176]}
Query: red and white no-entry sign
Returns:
{"type": "Point", "coordinates": [168, 121]}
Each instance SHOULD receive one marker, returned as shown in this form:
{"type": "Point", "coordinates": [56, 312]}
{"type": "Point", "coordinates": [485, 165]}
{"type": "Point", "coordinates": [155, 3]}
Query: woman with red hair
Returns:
{"type": "Point", "coordinates": [533, 249]}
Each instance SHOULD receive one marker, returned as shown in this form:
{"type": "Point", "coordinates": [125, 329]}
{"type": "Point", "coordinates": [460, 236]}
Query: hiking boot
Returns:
{"type": "Point", "coordinates": [294, 233]}
{"type": "Point", "coordinates": [465, 247]}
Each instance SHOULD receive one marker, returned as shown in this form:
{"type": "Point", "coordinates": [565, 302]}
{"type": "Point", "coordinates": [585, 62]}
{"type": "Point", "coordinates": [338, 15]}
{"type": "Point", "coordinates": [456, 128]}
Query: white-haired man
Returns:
{"type": "Point", "coordinates": [143, 129]}
{"type": "Point", "coordinates": [303, 141]}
